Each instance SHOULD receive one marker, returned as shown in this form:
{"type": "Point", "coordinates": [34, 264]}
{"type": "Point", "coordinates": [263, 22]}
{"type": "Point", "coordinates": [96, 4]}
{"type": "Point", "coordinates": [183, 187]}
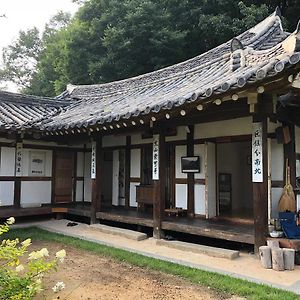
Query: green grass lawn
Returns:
{"type": "Point", "coordinates": [220, 283]}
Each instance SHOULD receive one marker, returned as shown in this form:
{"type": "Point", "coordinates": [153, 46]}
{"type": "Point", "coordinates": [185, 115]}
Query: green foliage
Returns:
{"type": "Point", "coordinates": [20, 279]}
{"type": "Point", "coordinates": [109, 40]}
{"type": "Point", "coordinates": [220, 283]}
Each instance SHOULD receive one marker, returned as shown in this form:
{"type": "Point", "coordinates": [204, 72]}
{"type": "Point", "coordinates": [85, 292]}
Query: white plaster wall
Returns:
{"type": "Point", "coordinates": [277, 161]}
{"type": "Point", "coordinates": [35, 193]}
{"type": "Point", "coordinates": [199, 150]}
{"type": "Point", "coordinates": [132, 194]}
{"type": "Point", "coordinates": [181, 196]}
{"type": "Point", "coordinates": [179, 152]}
{"type": "Point", "coordinates": [135, 163]}
{"type": "Point", "coordinates": [79, 190]}
{"type": "Point", "coordinates": [199, 199]}
{"type": "Point", "coordinates": [6, 193]}
{"type": "Point", "coordinates": [80, 164]}
{"type": "Point", "coordinates": [7, 163]}
{"type": "Point", "coordinates": [211, 201]}
{"type": "Point", "coordinates": [136, 139]}
{"type": "Point", "coordinates": [181, 135]}
{"type": "Point", "coordinates": [87, 178]}
{"type": "Point", "coordinates": [239, 126]}
{"type": "Point", "coordinates": [298, 202]}
{"type": "Point", "coordinates": [297, 134]}
{"type": "Point", "coordinates": [272, 126]}
{"type": "Point", "coordinates": [276, 194]}
{"type": "Point", "coordinates": [114, 140]}
{"type": "Point", "coordinates": [26, 161]}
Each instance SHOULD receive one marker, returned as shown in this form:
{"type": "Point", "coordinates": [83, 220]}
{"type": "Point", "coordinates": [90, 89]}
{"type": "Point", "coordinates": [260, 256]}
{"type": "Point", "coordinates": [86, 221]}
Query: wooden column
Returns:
{"type": "Point", "coordinates": [191, 176]}
{"type": "Point", "coordinates": [159, 186]}
{"type": "Point", "coordinates": [74, 175]}
{"type": "Point", "coordinates": [18, 174]}
{"type": "Point", "coordinates": [127, 170]}
{"type": "Point", "coordinates": [260, 191]}
{"type": "Point", "coordinates": [96, 182]}
{"type": "Point", "coordinates": [53, 177]}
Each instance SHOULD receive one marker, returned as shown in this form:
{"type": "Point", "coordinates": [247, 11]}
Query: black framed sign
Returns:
{"type": "Point", "coordinates": [190, 164]}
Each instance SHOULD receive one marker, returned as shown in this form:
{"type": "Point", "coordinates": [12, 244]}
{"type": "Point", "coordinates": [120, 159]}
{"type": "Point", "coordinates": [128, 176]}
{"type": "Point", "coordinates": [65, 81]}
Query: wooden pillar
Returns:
{"type": "Point", "coordinates": [191, 176]}
{"type": "Point", "coordinates": [260, 189]}
{"type": "Point", "coordinates": [18, 173]}
{"type": "Point", "coordinates": [127, 170]}
{"type": "Point", "coordinates": [159, 184]}
{"type": "Point", "coordinates": [96, 174]}
{"type": "Point", "coordinates": [53, 177]}
{"type": "Point", "coordinates": [74, 175]}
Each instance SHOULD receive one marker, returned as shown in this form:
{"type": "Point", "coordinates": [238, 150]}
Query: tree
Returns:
{"type": "Point", "coordinates": [21, 57]}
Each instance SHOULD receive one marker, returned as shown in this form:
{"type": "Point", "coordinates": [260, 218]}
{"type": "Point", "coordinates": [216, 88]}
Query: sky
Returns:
{"type": "Point", "coordinates": [25, 14]}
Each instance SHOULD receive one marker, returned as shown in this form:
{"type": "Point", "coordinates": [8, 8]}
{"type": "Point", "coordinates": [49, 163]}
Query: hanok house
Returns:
{"type": "Point", "coordinates": [198, 147]}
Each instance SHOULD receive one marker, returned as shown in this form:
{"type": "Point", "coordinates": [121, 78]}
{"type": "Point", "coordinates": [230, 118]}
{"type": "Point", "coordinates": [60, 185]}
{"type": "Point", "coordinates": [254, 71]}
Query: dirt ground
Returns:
{"type": "Point", "coordinates": [92, 277]}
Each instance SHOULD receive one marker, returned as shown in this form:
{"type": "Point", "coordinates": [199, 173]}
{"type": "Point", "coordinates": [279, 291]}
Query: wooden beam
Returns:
{"type": "Point", "coordinates": [159, 189]}
{"type": "Point", "coordinates": [127, 170]}
{"type": "Point", "coordinates": [96, 182]}
{"type": "Point", "coordinates": [74, 175]}
{"type": "Point", "coordinates": [190, 176]}
{"type": "Point", "coordinates": [53, 177]}
{"type": "Point", "coordinates": [260, 192]}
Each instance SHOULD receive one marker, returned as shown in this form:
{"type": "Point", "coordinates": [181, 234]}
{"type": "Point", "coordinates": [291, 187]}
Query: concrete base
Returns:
{"type": "Point", "coordinates": [125, 233]}
{"type": "Point", "coordinates": [200, 249]}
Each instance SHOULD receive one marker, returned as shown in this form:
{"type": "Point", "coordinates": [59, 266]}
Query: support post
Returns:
{"type": "Point", "coordinates": [127, 170]}
{"type": "Point", "coordinates": [191, 176]}
{"type": "Point", "coordinates": [96, 173]}
{"type": "Point", "coordinates": [260, 186]}
{"type": "Point", "coordinates": [159, 182]}
{"type": "Point", "coordinates": [18, 173]}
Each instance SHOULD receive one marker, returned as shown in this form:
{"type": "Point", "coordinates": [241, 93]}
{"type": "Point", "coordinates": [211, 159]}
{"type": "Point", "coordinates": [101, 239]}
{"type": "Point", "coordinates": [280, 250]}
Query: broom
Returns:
{"type": "Point", "coordinates": [287, 200]}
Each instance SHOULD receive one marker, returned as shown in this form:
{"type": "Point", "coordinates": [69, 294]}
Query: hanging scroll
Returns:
{"type": "Point", "coordinates": [19, 149]}
{"type": "Point", "coordinates": [155, 158]}
{"type": "Point", "coordinates": [93, 161]}
{"type": "Point", "coordinates": [257, 153]}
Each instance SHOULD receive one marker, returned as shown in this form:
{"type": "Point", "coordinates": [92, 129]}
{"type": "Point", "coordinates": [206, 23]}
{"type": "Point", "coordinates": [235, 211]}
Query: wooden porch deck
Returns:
{"type": "Point", "coordinates": [218, 229]}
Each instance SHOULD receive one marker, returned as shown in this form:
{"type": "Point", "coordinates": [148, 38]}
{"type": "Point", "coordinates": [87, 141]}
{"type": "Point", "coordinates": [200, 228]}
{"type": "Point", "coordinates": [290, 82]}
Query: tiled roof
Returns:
{"type": "Point", "coordinates": [254, 55]}
{"type": "Point", "coordinates": [19, 111]}
{"type": "Point", "coordinates": [259, 53]}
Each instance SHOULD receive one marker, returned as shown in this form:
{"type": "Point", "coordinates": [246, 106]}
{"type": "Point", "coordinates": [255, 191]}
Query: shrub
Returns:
{"type": "Point", "coordinates": [21, 278]}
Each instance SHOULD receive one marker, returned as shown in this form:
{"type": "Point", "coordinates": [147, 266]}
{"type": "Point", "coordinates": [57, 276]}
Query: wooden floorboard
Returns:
{"type": "Point", "coordinates": [24, 212]}
{"type": "Point", "coordinates": [237, 233]}
{"type": "Point", "coordinates": [130, 217]}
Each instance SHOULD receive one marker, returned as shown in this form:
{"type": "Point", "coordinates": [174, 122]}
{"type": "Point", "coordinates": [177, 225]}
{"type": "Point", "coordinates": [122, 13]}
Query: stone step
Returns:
{"type": "Point", "coordinates": [200, 249]}
{"type": "Point", "coordinates": [125, 233]}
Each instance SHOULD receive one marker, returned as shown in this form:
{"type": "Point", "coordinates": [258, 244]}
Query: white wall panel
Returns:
{"type": "Point", "coordinates": [200, 199]}
{"type": "Point", "coordinates": [113, 140]}
{"type": "Point", "coordinates": [181, 135]}
{"type": "Point", "coordinates": [135, 163]}
{"type": "Point", "coordinates": [277, 161]}
{"type": "Point", "coordinates": [232, 127]}
{"type": "Point", "coordinates": [26, 153]}
{"type": "Point", "coordinates": [6, 193]}
{"type": "Point", "coordinates": [115, 178]}
{"type": "Point", "coordinates": [136, 139]}
{"type": "Point", "coordinates": [80, 164]}
{"type": "Point", "coordinates": [7, 163]}
{"type": "Point", "coordinates": [132, 194]}
{"type": "Point", "coordinates": [199, 150]}
{"type": "Point", "coordinates": [211, 201]}
{"type": "Point", "coordinates": [276, 193]}
{"type": "Point", "coordinates": [181, 196]}
{"type": "Point", "coordinates": [297, 134]}
{"type": "Point", "coordinates": [35, 192]}
{"type": "Point", "coordinates": [79, 190]}
{"type": "Point", "coordinates": [179, 152]}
